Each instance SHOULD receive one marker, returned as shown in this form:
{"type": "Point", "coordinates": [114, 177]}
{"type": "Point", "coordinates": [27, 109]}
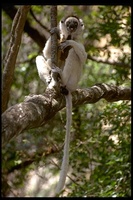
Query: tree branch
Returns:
{"type": "Point", "coordinates": [32, 14]}
{"type": "Point", "coordinates": [35, 34]}
{"type": "Point", "coordinates": [41, 40]}
{"type": "Point", "coordinates": [10, 59]}
{"type": "Point", "coordinates": [29, 159]}
{"type": "Point", "coordinates": [37, 110]}
{"type": "Point", "coordinates": [100, 60]}
{"type": "Point", "coordinates": [54, 47]}
{"type": "Point", "coordinates": [54, 43]}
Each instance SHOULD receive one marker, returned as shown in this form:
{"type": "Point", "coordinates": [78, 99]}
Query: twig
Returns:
{"type": "Point", "coordinates": [32, 14]}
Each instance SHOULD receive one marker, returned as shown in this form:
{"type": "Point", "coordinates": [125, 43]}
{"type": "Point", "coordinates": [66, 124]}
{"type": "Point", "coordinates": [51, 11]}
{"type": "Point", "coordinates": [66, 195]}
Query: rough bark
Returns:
{"type": "Point", "coordinates": [37, 110]}
{"type": "Point", "coordinates": [54, 44]}
{"type": "Point", "coordinates": [10, 59]}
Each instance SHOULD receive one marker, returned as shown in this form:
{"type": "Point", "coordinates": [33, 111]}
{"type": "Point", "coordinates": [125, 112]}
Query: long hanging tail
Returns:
{"type": "Point", "coordinates": [65, 162]}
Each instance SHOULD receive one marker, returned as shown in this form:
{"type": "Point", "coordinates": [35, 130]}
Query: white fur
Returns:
{"type": "Point", "coordinates": [70, 73]}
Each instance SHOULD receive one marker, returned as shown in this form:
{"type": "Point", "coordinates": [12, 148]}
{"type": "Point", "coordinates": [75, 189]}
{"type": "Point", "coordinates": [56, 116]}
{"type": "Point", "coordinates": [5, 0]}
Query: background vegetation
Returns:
{"type": "Point", "coordinates": [100, 149]}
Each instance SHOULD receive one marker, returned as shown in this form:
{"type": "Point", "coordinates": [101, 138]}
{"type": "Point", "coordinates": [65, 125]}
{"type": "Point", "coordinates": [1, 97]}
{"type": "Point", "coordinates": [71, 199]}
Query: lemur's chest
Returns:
{"type": "Point", "coordinates": [62, 55]}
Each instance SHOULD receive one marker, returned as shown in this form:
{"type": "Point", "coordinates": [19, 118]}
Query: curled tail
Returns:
{"type": "Point", "coordinates": [65, 162]}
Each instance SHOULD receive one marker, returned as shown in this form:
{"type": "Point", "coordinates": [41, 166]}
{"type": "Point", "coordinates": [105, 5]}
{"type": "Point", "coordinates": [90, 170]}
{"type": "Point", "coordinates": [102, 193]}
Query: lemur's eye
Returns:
{"type": "Point", "coordinates": [75, 23]}
{"type": "Point", "coordinates": [68, 23]}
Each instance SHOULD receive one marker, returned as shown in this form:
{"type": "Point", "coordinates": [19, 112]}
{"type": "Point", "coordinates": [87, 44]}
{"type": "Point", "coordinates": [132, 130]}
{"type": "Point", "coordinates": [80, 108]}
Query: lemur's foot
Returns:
{"type": "Point", "coordinates": [63, 90]}
{"type": "Point", "coordinates": [48, 79]}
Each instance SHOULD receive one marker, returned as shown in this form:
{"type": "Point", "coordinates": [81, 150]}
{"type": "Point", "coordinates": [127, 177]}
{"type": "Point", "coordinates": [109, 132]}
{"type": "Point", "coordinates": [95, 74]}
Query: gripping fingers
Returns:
{"type": "Point", "coordinates": [63, 45]}
{"type": "Point", "coordinates": [55, 30]}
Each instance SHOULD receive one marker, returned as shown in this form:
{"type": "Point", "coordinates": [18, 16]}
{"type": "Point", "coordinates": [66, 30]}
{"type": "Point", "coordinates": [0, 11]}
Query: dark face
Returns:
{"type": "Point", "coordinates": [71, 24]}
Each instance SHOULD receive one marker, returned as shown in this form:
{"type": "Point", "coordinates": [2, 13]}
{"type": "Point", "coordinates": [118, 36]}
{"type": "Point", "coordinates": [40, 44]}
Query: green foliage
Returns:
{"type": "Point", "coordinates": [100, 149]}
{"type": "Point", "coordinates": [103, 153]}
{"type": "Point", "coordinates": [110, 24]}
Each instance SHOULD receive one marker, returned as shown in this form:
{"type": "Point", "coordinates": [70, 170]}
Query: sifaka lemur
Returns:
{"type": "Point", "coordinates": [71, 58]}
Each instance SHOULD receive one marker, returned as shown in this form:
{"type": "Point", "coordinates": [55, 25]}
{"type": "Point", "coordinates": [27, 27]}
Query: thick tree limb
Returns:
{"type": "Point", "coordinates": [10, 59]}
{"type": "Point", "coordinates": [37, 110]}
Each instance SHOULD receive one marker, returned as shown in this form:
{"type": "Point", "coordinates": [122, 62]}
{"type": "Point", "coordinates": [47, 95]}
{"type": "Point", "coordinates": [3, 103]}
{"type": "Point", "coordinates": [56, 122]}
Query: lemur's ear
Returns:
{"type": "Point", "coordinates": [63, 20]}
{"type": "Point", "coordinates": [81, 23]}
